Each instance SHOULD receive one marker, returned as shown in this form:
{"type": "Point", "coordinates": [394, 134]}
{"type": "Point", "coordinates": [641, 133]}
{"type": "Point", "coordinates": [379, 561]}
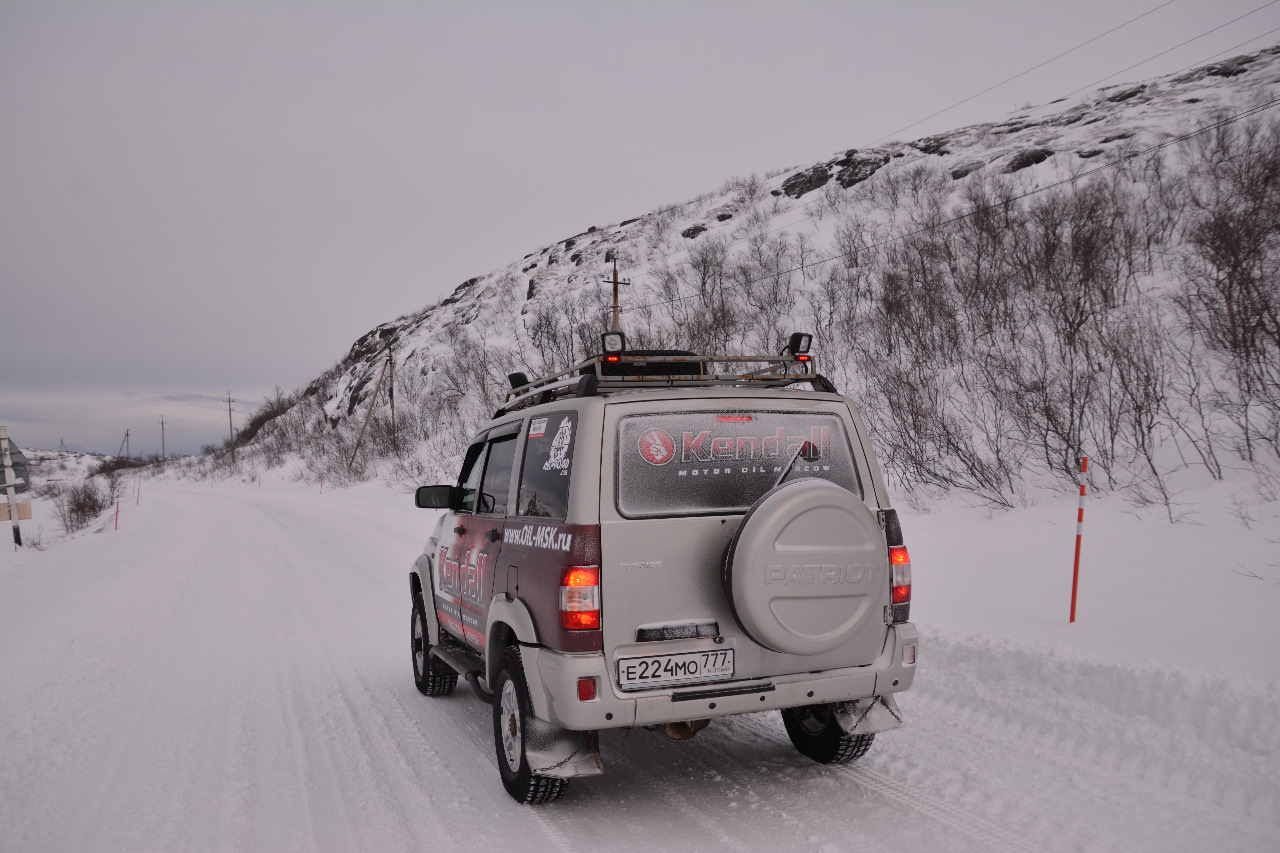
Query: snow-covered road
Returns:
{"type": "Point", "coordinates": [230, 671]}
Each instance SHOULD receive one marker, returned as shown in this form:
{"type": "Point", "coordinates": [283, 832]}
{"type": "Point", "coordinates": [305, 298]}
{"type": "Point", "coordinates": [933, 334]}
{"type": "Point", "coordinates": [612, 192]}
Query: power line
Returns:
{"type": "Point", "coordinates": [1046, 62]}
{"type": "Point", "coordinates": [1228, 50]}
{"type": "Point", "coordinates": [961, 217]}
{"type": "Point", "coordinates": [1170, 50]}
{"type": "Point", "coordinates": [1021, 73]}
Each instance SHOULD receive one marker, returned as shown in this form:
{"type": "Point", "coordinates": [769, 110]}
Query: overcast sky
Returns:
{"type": "Point", "coordinates": [198, 197]}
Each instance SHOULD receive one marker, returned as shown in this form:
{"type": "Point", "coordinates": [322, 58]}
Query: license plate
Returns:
{"type": "Point", "coordinates": [664, 670]}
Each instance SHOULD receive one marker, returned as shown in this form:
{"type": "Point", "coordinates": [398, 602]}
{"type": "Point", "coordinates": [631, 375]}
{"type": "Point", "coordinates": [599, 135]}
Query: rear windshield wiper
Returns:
{"type": "Point", "coordinates": [805, 449]}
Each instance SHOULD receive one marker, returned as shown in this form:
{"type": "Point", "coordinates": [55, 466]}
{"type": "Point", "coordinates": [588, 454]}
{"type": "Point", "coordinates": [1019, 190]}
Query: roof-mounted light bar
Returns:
{"type": "Point", "coordinates": [601, 373]}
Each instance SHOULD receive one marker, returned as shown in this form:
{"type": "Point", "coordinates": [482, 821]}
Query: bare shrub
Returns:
{"type": "Point", "coordinates": [926, 442]}
{"type": "Point", "coordinates": [1229, 298]}
{"type": "Point", "coordinates": [78, 505]}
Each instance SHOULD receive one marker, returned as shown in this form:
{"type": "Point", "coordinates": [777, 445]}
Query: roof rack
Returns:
{"type": "Point", "coordinates": [641, 370]}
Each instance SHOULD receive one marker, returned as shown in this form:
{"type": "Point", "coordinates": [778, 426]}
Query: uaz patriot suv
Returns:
{"type": "Point", "coordinates": [658, 539]}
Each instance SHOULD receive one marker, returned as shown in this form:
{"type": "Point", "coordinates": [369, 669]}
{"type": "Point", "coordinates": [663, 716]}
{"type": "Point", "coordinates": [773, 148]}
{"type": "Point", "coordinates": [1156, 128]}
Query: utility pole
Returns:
{"type": "Point", "coordinates": [391, 396]}
{"type": "Point", "coordinates": [62, 446]}
{"type": "Point", "coordinates": [613, 256]}
{"type": "Point", "coordinates": [124, 445]}
{"type": "Point", "coordinates": [231, 429]}
{"type": "Point", "coordinates": [162, 453]}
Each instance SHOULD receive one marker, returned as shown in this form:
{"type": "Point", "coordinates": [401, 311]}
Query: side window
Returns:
{"type": "Point", "coordinates": [469, 479]}
{"type": "Point", "coordinates": [497, 476]}
{"type": "Point", "coordinates": [545, 475]}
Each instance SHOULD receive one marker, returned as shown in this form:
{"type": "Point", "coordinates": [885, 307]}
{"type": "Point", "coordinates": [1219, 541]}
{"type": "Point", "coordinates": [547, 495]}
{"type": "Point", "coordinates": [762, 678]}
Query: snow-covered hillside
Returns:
{"type": "Point", "coordinates": [230, 671]}
{"type": "Point", "coordinates": [999, 300]}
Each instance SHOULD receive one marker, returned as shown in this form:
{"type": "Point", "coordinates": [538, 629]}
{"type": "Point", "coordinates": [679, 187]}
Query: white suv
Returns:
{"type": "Point", "coordinates": [658, 539]}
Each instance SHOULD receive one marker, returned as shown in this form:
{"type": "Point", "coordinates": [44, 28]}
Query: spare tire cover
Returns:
{"type": "Point", "coordinates": [805, 568]}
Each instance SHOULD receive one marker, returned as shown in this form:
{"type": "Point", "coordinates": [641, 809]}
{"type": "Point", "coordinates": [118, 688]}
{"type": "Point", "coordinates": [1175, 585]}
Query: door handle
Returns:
{"type": "Point", "coordinates": [460, 530]}
{"type": "Point", "coordinates": [494, 535]}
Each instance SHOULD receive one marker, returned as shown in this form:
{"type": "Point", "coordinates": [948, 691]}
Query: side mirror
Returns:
{"type": "Point", "coordinates": [436, 497]}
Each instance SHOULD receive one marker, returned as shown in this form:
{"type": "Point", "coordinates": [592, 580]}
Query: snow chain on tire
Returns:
{"type": "Point", "coordinates": [427, 675]}
{"type": "Point", "coordinates": [525, 785]}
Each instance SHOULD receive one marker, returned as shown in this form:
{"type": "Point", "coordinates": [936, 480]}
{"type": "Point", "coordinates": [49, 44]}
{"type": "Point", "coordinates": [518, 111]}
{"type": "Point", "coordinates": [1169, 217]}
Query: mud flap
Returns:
{"type": "Point", "coordinates": [561, 753]}
{"type": "Point", "coordinates": [869, 716]}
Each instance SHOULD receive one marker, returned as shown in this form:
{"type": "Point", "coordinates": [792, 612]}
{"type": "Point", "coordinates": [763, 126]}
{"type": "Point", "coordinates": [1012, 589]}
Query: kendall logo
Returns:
{"type": "Point", "coordinates": [657, 447]}
{"type": "Point", "coordinates": [703, 447]}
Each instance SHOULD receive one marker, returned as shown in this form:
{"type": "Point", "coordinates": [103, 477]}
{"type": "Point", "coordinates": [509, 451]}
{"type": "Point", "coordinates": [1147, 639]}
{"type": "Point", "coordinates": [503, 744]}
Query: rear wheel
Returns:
{"type": "Point", "coordinates": [431, 677]}
{"type": "Point", "coordinates": [511, 713]}
{"type": "Point", "coordinates": [815, 732]}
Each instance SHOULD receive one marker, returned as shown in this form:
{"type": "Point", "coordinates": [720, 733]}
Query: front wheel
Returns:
{"type": "Point", "coordinates": [431, 677]}
{"type": "Point", "coordinates": [815, 732]}
{"type": "Point", "coordinates": [511, 714]}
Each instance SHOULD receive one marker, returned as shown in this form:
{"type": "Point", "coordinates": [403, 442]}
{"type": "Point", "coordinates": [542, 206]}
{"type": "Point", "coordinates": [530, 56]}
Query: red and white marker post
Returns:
{"type": "Point", "coordinates": [1075, 575]}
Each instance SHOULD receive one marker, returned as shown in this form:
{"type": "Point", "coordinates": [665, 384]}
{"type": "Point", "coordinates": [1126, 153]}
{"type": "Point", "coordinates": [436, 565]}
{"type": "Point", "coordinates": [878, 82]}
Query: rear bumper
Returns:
{"type": "Point", "coordinates": [553, 688]}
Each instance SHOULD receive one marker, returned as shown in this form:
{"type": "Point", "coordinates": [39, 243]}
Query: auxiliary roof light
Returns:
{"type": "Point", "coordinates": [613, 343]}
{"type": "Point", "coordinates": [798, 343]}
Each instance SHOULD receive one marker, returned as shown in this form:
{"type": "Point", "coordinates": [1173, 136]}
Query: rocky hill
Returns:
{"type": "Point", "coordinates": [1097, 277]}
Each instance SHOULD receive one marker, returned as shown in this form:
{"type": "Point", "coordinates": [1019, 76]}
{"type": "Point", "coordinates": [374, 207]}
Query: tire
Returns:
{"type": "Point", "coordinates": [431, 677]}
{"type": "Point", "coordinates": [814, 731]}
{"type": "Point", "coordinates": [511, 712]}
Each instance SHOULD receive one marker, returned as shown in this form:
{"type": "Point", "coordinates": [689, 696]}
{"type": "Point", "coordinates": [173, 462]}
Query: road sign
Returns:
{"type": "Point", "coordinates": [24, 511]}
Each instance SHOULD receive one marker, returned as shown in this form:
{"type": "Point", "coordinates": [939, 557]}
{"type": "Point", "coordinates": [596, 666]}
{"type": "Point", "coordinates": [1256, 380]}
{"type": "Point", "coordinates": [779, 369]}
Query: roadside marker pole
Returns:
{"type": "Point", "coordinates": [117, 507]}
{"type": "Point", "coordinates": [322, 484]}
{"type": "Point", "coordinates": [1075, 575]}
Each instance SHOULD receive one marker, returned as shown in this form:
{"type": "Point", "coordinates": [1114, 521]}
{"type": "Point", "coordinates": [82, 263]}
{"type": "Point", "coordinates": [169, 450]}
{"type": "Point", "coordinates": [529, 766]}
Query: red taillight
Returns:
{"type": "Point", "coordinates": [900, 561]}
{"type": "Point", "coordinates": [612, 358]}
{"type": "Point", "coordinates": [586, 689]}
{"type": "Point", "coordinates": [580, 598]}
{"type": "Point", "coordinates": [802, 357]}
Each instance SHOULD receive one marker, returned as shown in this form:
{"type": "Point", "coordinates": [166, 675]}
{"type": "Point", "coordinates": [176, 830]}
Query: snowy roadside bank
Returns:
{"type": "Point", "coordinates": [230, 671]}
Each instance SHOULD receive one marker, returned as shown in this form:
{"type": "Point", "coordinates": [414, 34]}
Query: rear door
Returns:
{"type": "Point", "coordinates": [675, 487]}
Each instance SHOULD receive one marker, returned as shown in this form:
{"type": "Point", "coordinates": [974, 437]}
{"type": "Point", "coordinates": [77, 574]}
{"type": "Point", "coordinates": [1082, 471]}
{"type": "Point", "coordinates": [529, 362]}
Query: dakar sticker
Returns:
{"type": "Point", "coordinates": [657, 447]}
{"type": "Point", "coordinates": [537, 427]}
{"type": "Point", "coordinates": [559, 460]}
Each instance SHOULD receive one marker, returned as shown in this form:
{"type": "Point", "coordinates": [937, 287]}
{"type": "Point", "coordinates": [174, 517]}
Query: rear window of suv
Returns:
{"type": "Point", "coordinates": [711, 463]}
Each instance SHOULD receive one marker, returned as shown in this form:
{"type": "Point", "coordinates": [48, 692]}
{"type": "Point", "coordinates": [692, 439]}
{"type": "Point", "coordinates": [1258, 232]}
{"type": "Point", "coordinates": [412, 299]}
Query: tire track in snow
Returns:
{"type": "Point", "coordinates": [382, 721]}
{"type": "Point", "coordinates": [356, 735]}
{"type": "Point", "coordinates": [92, 813]}
{"type": "Point", "coordinates": [1056, 759]}
{"type": "Point", "coordinates": [991, 835]}
{"type": "Point", "coordinates": [987, 833]}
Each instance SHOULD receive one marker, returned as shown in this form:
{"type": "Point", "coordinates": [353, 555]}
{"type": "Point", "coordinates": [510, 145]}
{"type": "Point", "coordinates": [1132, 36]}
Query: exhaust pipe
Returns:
{"type": "Point", "coordinates": [684, 730]}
